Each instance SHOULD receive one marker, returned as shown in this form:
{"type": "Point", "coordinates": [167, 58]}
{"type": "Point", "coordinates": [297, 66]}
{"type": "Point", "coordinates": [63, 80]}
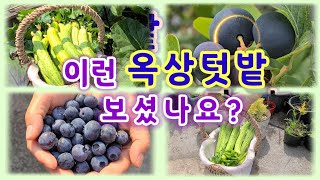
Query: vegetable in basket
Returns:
{"type": "Point", "coordinates": [233, 143]}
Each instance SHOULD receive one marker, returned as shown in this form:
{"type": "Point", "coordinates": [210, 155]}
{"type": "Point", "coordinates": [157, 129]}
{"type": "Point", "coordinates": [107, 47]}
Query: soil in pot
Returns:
{"type": "Point", "coordinates": [292, 140]}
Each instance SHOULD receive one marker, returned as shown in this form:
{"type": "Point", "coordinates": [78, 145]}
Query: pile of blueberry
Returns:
{"type": "Point", "coordinates": [78, 140]}
{"type": "Point", "coordinates": [234, 28]}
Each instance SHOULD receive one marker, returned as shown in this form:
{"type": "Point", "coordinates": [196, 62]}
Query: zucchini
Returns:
{"type": "Point", "coordinates": [47, 68]}
{"type": "Point", "coordinates": [56, 44]}
{"type": "Point", "coordinates": [84, 43]}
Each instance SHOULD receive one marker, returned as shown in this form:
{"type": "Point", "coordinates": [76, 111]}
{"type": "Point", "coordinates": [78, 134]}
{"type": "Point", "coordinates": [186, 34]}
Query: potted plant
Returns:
{"type": "Point", "coordinates": [271, 106]}
{"type": "Point", "coordinates": [258, 110]}
{"type": "Point", "coordinates": [295, 130]}
{"type": "Point", "coordinates": [302, 106]}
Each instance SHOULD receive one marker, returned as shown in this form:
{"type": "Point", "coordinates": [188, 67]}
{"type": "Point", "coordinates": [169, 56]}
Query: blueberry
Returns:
{"type": "Point", "coordinates": [47, 140]}
{"type": "Point", "coordinates": [56, 126]}
{"type": "Point", "coordinates": [65, 161]}
{"type": "Point", "coordinates": [228, 25]}
{"type": "Point", "coordinates": [86, 114]}
{"type": "Point", "coordinates": [67, 130]}
{"type": "Point", "coordinates": [78, 124]}
{"type": "Point", "coordinates": [113, 153]}
{"type": "Point", "coordinates": [71, 113]}
{"type": "Point", "coordinates": [206, 46]}
{"type": "Point", "coordinates": [90, 101]}
{"type": "Point", "coordinates": [89, 152]}
{"type": "Point", "coordinates": [55, 154]}
{"type": "Point", "coordinates": [122, 137]}
{"type": "Point", "coordinates": [64, 145]}
{"type": "Point", "coordinates": [100, 103]}
{"type": "Point", "coordinates": [115, 144]}
{"type": "Point", "coordinates": [46, 128]}
{"type": "Point", "coordinates": [96, 114]}
{"type": "Point", "coordinates": [77, 139]}
{"type": "Point", "coordinates": [98, 163]}
{"type": "Point", "coordinates": [277, 35]}
{"type": "Point", "coordinates": [48, 120]}
{"type": "Point", "coordinates": [81, 167]}
{"type": "Point", "coordinates": [80, 98]}
{"type": "Point", "coordinates": [92, 130]}
{"type": "Point", "coordinates": [72, 103]}
{"type": "Point", "coordinates": [108, 133]}
{"type": "Point", "coordinates": [58, 112]}
{"type": "Point", "coordinates": [79, 153]}
{"type": "Point", "coordinates": [98, 148]}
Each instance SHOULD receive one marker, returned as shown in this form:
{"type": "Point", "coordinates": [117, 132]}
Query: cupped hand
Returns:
{"type": "Point", "coordinates": [42, 104]}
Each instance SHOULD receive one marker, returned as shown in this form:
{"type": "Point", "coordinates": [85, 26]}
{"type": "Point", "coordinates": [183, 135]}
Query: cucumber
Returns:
{"type": "Point", "coordinates": [56, 44]}
{"type": "Point", "coordinates": [74, 36]}
{"type": "Point", "coordinates": [75, 24]}
{"type": "Point", "coordinates": [47, 68]}
{"type": "Point", "coordinates": [54, 57]}
{"type": "Point", "coordinates": [55, 25]}
{"type": "Point", "coordinates": [84, 43]}
{"type": "Point", "coordinates": [45, 42]}
{"type": "Point", "coordinates": [65, 36]}
{"type": "Point", "coordinates": [61, 27]}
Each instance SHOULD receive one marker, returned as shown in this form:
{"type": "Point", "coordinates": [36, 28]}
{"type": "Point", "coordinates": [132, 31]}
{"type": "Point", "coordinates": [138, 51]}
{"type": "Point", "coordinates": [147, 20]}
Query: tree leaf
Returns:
{"type": "Point", "coordinates": [202, 24]}
{"type": "Point", "coordinates": [299, 16]}
{"type": "Point", "coordinates": [128, 36]}
{"type": "Point", "coordinates": [172, 43]}
{"type": "Point", "coordinates": [117, 10]}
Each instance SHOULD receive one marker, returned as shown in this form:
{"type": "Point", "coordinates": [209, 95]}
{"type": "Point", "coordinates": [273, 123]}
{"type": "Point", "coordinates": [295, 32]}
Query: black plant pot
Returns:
{"type": "Point", "coordinates": [308, 143]}
{"type": "Point", "coordinates": [292, 140]}
{"type": "Point", "coordinates": [306, 118]}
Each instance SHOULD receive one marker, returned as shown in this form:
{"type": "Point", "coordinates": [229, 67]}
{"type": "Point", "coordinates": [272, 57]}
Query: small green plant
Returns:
{"type": "Point", "coordinates": [258, 110]}
{"type": "Point", "coordinates": [305, 104]}
{"type": "Point", "coordinates": [294, 127]}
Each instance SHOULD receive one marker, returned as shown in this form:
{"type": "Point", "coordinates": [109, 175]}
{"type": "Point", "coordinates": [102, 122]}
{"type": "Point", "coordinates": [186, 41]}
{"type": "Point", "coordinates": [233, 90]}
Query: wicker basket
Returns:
{"type": "Point", "coordinates": [216, 168]}
{"type": "Point", "coordinates": [27, 21]}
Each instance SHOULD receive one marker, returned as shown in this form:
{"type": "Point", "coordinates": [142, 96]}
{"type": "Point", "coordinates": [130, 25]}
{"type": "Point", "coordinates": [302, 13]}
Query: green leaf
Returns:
{"type": "Point", "coordinates": [252, 9]}
{"type": "Point", "coordinates": [301, 61]}
{"type": "Point", "coordinates": [202, 24]}
{"type": "Point", "coordinates": [172, 43]}
{"type": "Point", "coordinates": [117, 10]}
{"type": "Point", "coordinates": [299, 16]}
{"type": "Point", "coordinates": [128, 36]}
